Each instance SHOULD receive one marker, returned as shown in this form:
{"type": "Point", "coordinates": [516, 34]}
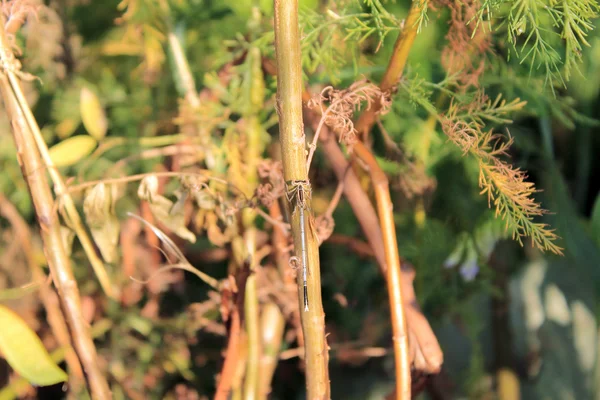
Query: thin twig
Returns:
{"type": "Point", "coordinates": [385, 208]}
{"type": "Point", "coordinates": [335, 200]}
{"type": "Point", "coordinates": [183, 263]}
{"type": "Point", "coordinates": [232, 356]}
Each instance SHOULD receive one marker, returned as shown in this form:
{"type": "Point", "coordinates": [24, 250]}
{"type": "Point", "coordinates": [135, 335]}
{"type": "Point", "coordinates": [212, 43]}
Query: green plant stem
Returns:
{"type": "Point", "coordinates": [291, 132]}
{"type": "Point", "coordinates": [395, 66]}
{"type": "Point", "coordinates": [60, 266]}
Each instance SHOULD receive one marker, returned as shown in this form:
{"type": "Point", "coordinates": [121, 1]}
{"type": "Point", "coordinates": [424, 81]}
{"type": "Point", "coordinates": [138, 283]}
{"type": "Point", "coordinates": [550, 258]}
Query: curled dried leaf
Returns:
{"type": "Point", "coordinates": [99, 210]}
{"type": "Point", "coordinates": [164, 210]}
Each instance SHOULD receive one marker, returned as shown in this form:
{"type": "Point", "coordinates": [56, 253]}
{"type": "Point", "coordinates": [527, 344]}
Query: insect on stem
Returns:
{"type": "Point", "coordinates": [298, 194]}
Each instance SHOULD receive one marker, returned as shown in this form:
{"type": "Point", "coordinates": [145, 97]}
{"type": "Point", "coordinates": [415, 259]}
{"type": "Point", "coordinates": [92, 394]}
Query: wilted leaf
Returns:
{"type": "Point", "coordinates": [99, 210]}
{"type": "Point", "coordinates": [163, 209]}
{"type": "Point", "coordinates": [68, 235]}
{"type": "Point", "coordinates": [25, 352]}
{"type": "Point", "coordinates": [214, 233]}
{"type": "Point", "coordinates": [92, 114]}
{"type": "Point", "coordinates": [70, 151]}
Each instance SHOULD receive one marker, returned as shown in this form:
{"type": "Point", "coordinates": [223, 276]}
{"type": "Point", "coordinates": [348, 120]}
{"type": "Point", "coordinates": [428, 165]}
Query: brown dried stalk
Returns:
{"type": "Point", "coordinates": [34, 172]}
{"type": "Point", "coordinates": [235, 315]}
{"type": "Point", "coordinates": [13, 74]}
{"type": "Point", "coordinates": [385, 208]}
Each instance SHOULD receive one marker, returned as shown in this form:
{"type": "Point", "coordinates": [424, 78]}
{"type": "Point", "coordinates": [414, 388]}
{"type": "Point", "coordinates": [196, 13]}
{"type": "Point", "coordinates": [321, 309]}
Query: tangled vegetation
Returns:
{"type": "Point", "coordinates": [253, 199]}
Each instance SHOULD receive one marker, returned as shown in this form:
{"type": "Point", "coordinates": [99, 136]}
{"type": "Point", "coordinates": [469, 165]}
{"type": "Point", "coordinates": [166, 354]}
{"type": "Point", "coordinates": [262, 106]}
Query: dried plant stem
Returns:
{"type": "Point", "coordinates": [48, 297]}
{"type": "Point", "coordinates": [289, 105]}
{"type": "Point", "coordinates": [395, 66]}
{"type": "Point", "coordinates": [67, 202]}
{"type": "Point", "coordinates": [385, 208]}
{"type": "Point", "coordinates": [232, 356]}
{"type": "Point", "coordinates": [356, 196]}
{"type": "Point", "coordinates": [60, 266]}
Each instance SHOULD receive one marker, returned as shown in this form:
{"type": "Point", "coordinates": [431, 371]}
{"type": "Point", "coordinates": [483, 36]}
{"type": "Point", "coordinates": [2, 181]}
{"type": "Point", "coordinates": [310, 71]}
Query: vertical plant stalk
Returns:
{"type": "Point", "coordinates": [231, 357]}
{"type": "Point", "coordinates": [251, 319]}
{"type": "Point", "coordinates": [395, 66]}
{"type": "Point", "coordinates": [272, 326]}
{"type": "Point", "coordinates": [385, 208]}
{"type": "Point", "coordinates": [48, 297]}
{"type": "Point", "coordinates": [282, 260]}
{"type": "Point", "coordinates": [60, 189]}
{"type": "Point", "coordinates": [60, 267]}
{"type": "Point", "coordinates": [291, 131]}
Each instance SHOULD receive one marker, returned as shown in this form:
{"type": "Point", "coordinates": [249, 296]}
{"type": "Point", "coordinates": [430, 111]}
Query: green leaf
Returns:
{"type": "Point", "coordinates": [70, 151]}
{"type": "Point", "coordinates": [25, 352]}
{"type": "Point", "coordinates": [17, 293]}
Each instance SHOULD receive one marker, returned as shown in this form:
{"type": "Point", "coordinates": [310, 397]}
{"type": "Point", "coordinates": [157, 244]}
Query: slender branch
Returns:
{"type": "Point", "coordinates": [385, 208]}
{"type": "Point", "coordinates": [425, 351]}
{"type": "Point", "coordinates": [395, 66]}
{"type": "Point", "coordinates": [60, 266]}
{"type": "Point", "coordinates": [232, 357]}
{"type": "Point", "coordinates": [335, 200]}
{"type": "Point", "coordinates": [289, 106]}
{"type": "Point", "coordinates": [356, 196]}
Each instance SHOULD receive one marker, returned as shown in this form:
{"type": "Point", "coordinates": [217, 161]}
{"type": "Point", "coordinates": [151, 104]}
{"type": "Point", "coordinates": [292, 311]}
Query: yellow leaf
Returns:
{"type": "Point", "coordinates": [25, 352]}
{"type": "Point", "coordinates": [92, 114]}
{"type": "Point", "coordinates": [70, 151]}
{"type": "Point", "coordinates": [66, 128]}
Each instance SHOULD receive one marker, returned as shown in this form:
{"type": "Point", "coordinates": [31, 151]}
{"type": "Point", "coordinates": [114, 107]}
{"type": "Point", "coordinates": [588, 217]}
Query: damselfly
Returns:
{"type": "Point", "coordinates": [298, 194]}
